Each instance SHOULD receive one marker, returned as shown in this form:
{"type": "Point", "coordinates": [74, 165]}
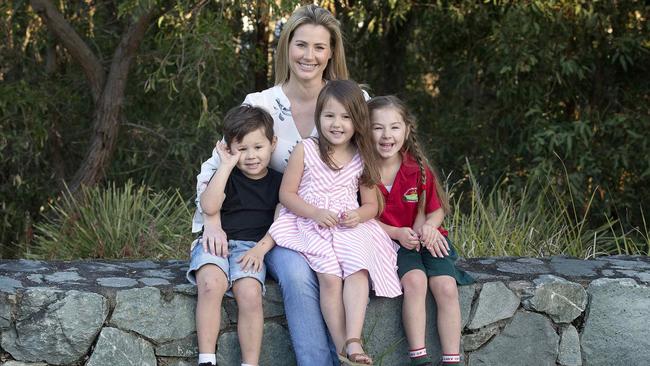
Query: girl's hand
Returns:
{"type": "Point", "coordinates": [252, 261]}
{"type": "Point", "coordinates": [227, 157]}
{"type": "Point", "coordinates": [325, 218]}
{"type": "Point", "coordinates": [214, 240]}
{"type": "Point", "coordinates": [350, 218]}
{"type": "Point", "coordinates": [408, 238]}
{"type": "Point", "coordinates": [434, 241]}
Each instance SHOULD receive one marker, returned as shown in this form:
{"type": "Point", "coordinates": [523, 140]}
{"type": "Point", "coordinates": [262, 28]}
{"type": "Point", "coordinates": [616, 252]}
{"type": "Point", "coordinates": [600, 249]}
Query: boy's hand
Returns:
{"type": "Point", "coordinates": [350, 218]}
{"type": "Point", "coordinates": [434, 241]}
{"type": "Point", "coordinates": [214, 240]}
{"type": "Point", "coordinates": [325, 218]}
{"type": "Point", "coordinates": [408, 238]}
{"type": "Point", "coordinates": [252, 261]}
{"type": "Point", "coordinates": [227, 157]}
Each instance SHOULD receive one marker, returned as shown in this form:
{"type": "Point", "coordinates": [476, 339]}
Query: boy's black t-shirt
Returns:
{"type": "Point", "coordinates": [248, 209]}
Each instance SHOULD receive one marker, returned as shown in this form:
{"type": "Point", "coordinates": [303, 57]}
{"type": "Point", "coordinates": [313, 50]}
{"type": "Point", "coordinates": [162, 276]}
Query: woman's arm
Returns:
{"type": "Point", "coordinates": [289, 191]}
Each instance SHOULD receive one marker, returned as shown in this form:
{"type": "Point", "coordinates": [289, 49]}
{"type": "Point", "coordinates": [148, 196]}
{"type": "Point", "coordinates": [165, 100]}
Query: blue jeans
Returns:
{"type": "Point", "coordinates": [300, 293]}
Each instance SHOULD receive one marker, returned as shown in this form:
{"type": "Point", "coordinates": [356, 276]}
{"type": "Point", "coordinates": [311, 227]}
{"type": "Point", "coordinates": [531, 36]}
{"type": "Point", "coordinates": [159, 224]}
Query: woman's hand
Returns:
{"type": "Point", "coordinates": [350, 218]}
{"type": "Point", "coordinates": [434, 241]}
{"type": "Point", "coordinates": [252, 261]}
{"type": "Point", "coordinates": [214, 240]}
{"type": "Point", "coordinates": [408, 238]}
{"type": "Point", "coordinates": [325, 218]}
{"type": "Point", "coordinates": [227, 157]}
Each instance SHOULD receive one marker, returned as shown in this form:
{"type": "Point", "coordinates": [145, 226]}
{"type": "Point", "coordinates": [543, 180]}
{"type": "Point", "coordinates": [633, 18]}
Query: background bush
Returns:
{"type": "Point", "coordinates": [533, 95]}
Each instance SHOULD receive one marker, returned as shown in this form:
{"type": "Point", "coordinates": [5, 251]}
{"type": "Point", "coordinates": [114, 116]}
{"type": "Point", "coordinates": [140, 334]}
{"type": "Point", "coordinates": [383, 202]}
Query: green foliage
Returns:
{"type": "Point", "coordinates": [537, 91]}
{"type": "Point", "coordinates": [495, 223]}
{"type": "Point", "coordinates": [114, 223]}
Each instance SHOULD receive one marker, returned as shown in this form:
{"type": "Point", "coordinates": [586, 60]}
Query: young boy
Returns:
{"type": "Point", "coordinates": [243, 196]}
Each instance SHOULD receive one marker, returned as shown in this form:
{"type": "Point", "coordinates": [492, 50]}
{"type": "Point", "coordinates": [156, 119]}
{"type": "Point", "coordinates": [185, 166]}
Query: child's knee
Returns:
{"type": "Point", "coordinates": [214, 285]}
{"type": "Point", "coordinates": [248, 293]}
{"type": "Point", "coordinates": [414, 282]}
{"type": "Point", "coordinates": [445, 290]}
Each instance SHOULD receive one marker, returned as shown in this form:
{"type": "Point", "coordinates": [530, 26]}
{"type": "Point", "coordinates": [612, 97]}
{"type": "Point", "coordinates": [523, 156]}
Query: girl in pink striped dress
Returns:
{"type": "Point", "coordinates": [322, 219]}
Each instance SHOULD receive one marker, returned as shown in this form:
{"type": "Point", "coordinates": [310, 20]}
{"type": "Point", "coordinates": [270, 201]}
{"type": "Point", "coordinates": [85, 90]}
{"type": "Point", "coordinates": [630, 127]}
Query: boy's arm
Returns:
{"type": "Point", "coordinates": [213, 195]}
{"type": "Point", "coordinates": [289, 192]}
{"type": "Point", "coordinates": [254, 257]}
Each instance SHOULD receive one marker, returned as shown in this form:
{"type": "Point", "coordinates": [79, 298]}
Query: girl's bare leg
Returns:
{"type": "Point", "coordinates": [355, 301]}
{"type": "Point", "coordinates": [331, 305]}
{"type": "Point", "coordinates": [445, 293]}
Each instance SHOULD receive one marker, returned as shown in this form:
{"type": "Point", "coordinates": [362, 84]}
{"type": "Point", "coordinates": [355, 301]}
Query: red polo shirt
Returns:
{"type": "Point", "coordinates": [401, 203]}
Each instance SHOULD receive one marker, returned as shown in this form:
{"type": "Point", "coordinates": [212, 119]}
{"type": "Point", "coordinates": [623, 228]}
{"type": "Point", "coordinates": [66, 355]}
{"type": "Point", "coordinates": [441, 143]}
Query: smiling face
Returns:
{"type": "Point", "coordinates": [389, 132]}
{"type": "Point", "coordinates": [309, 52]}
{"type": "Point", "coordinates": [256, 150]}
{"type": "Point", "coordinates": [336, 124]}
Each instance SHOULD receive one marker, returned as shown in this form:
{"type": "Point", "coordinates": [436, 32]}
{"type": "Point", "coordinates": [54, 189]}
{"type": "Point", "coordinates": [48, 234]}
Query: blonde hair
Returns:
{"type": "Point", "coordinates": [349, 94]}
{"type": "Point", "coordinates": [315, 15]}
{"type": "Point", "coordinates": [412, 147]}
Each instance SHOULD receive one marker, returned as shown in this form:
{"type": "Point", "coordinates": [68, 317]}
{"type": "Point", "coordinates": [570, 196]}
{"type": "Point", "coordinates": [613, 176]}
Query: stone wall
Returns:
{"type": "Point", "coordinates": [522, 311]}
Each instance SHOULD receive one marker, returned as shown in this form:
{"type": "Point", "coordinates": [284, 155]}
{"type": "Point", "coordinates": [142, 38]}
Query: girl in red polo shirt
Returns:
{"type": "Point", "coordinates": [415, 206]}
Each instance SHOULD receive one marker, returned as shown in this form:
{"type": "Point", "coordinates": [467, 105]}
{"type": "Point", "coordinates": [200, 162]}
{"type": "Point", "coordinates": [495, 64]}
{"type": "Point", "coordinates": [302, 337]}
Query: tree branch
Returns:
{"type": "Point", "coordinates": [79, 50]}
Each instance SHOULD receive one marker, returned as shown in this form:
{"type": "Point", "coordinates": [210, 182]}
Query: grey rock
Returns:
{"type": "Point", "coordinates": [575, 267]}
{"type": "Point", "coordinates": [473, 341]}
{"type": "Point", "coordinates": [55, 327]}
{"type": "Point", "coordinates": [643, 276]}
{"type": "Point", "coordinates": [185, 289]}
{"type": "Point", "coordinates": [529, 340]}
{"type": "Point", "coordinates": [465, 298]}
{"type": "Point", "coordinates": [8, 284]}
{"type": "Point", "coordinates": [116, 282]}
{"type": "Point", "coordinates": [6, 308]}
{"type": "Point", "coordinates": [24, 265]}
{"type": "Point", "coordinates": [186, 347]}
{"type": "Point", "coordinates": [520, 288]}
{"type": "Point", "coordinates": [161, 273]}
{"type": "Point", "coordinates": [59, 277]}
{"type": "Point", "coordinates": [153, 281]}
{"type": "Point", "coordinates": [36, 278]}
{"type": "Point", "coordinates": [142, 264]}
{"type": "Point", "coordinates": [495, 302]}
{"type": "Point", "coordinates": [487, 261]}
{"type": "Point", "coordinates": [176, 362]}
{"type": "Point", "coordinates": [616, 327]}
{"type": "Point", "coordinates": [530, 261]}
{"type": "Point", "coordinates": [570, 347]}
{"type": "Point", "coordinates": [144, 311]}
{"type": "Point", "coordinates": [562, 300]}
{"type": "Point", "coordinates": [105, 267]}
{"type": "Point", "coordinates": [276, 348]}
{"type": "Point", "coordinates": [522, 268]}
{"type": "Point", "coordinates": [486, 276]}
{"type": "Point", "coordinates": [383, 331]}
{"type": "Point", "coordinates": [18, 363]}
{"type": "Point", "coordinates": [116, 347]}
{"type": "Point", "coordinates": [625, 263]}
{"type": "Point", "coordinates": [608, 272]}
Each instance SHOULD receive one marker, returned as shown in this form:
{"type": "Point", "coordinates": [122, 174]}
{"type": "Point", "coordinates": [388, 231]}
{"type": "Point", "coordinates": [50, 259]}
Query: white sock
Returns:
{"type": "Point", "coordinates": [208, 357]}
{"type": "Point", "coordinates": [246, 364]}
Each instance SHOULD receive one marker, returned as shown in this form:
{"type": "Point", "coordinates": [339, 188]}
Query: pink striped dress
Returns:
{"type": "Point", "coordinates": [339, 251]}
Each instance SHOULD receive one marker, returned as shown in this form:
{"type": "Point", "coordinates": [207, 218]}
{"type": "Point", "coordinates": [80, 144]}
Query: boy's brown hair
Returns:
{"type": "Point", "coordinates": [244, 119]}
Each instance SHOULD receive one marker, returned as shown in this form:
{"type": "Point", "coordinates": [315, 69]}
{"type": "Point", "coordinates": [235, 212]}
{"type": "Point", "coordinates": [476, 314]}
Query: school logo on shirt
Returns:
{"type": "Point", "coordinates": [411, 195]}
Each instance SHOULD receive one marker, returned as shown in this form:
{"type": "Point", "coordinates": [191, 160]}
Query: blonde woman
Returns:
{"type": "Point", "coordinates": [309, 53]}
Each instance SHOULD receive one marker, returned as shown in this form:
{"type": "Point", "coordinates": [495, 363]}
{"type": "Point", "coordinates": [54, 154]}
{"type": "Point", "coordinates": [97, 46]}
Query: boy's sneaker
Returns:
{"type": "Point", "coordinates": [207, 364]}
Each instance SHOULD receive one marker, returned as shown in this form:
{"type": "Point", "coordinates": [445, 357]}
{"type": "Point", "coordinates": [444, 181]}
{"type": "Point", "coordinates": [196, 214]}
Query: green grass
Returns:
{"type": "Point", "coordinates": [114, 223]}
{"type": "Point", "coordinates": [497, 222]}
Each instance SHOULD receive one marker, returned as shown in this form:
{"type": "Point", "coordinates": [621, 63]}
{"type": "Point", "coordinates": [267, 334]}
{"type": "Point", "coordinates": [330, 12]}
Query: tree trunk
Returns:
{"type": "Point", "coordinates": [107, 90]}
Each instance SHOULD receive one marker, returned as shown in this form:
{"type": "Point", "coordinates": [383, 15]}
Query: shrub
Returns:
{"type": "Point", "coordinates": [114, 223]}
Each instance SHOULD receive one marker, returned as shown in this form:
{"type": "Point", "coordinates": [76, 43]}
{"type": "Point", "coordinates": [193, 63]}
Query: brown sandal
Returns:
{"type": "Point", "coordinates": [354, 359]}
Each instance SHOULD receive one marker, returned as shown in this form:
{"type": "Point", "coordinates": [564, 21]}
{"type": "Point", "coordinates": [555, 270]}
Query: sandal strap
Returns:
{"type": "Point", "coordinates": [353, 340]}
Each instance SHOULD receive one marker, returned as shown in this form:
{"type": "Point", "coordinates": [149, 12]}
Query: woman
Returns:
{"type": "Point", "coordinates": [310, 52]}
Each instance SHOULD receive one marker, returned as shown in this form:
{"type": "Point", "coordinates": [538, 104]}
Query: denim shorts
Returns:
{"type": "Point", "coordinates": [229, 266]}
